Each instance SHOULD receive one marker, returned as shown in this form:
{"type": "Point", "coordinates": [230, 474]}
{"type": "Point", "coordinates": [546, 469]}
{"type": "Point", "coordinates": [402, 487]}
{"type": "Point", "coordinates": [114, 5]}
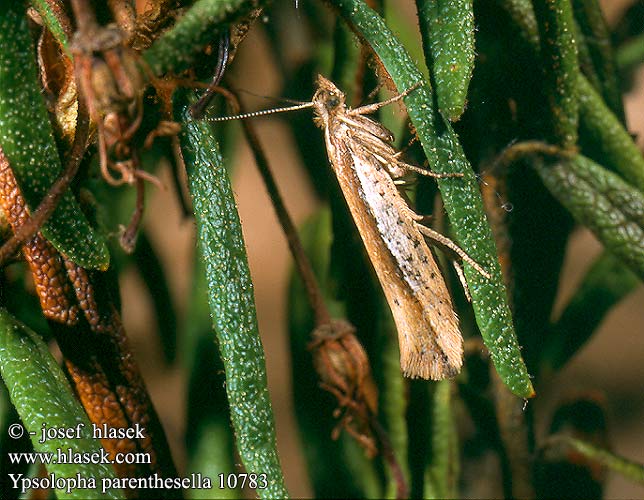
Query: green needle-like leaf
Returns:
{"type": "Point", "coordinates": [602, 201]}
{"type": "Point", "coordinates": [48, 12]}
{"type": "Point", "coordinates": [41, 394]}
{"type": "Point", "coordinates": [447, 27]}
{"type": "Point", "coordinates": [175, 50]}
{"type": "Point", "coordinates": [596, 35]}
{"type": "Point", "coordinates": [209, 436]}
{"type": "Point", "coordinates": [441, 474]}
{"type": "Point", "coordinates": [612, 145]}
{"type": "Point", "coordinates": [393, 397]}
{"type": "Point", "coordinates": [559, 56]}
{"type": "Point", "coordinates": [28, 143]}
{"type": "Point", "coordinates": [627, 468]}
{"type": "Point", "coordinates": [232, 302]}
{"type": "Point", "coordinates": [601, 131]}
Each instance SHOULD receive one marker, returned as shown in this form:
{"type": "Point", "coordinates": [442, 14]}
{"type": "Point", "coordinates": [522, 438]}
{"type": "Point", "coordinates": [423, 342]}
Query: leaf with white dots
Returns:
{"type": "Point", "coordinates": [27, 141]}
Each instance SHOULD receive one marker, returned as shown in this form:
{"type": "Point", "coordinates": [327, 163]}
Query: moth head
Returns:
{"type": "Point", "coordinates": [328, 98]}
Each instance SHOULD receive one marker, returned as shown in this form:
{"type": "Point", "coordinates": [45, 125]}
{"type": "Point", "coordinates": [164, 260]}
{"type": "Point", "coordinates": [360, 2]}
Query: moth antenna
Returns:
{"type": "Point", "coordinates": [255, 114]}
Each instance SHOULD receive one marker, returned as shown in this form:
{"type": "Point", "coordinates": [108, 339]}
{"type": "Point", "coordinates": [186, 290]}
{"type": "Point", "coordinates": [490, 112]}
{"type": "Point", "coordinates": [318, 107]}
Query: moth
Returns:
{"type": "Point", "coordinates": [368, 169]}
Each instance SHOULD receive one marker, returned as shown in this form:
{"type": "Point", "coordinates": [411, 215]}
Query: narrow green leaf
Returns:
{"type": "Point", "coordinates": [522, 13]}
{"type": "Point", "coordinates": [630, 54]}
{"type": "Point", "coordinates": [232, 302]}
{"type": "Point", "coordinates": [461, 196]}
{"type": "Point", "coordinates": [441, 474]}
{"type": "Point", "coordinates": [212, 456]}
{"type": "Point", "coordinates": [209, 436]}
{"type": "Point", "coordinates": [596, 36]}
{"type": "Point", "coordinates": [586, 64]}
{"type": "Point", "coordinates": [8, 417]}
{"type": "Point", "coordinates": [604, 285]}
{"type": "Point", "coordinates": [393, 396]}
{"type": "Point", "coordinates": [561, 69]}
{"type": "Point", "coordinates": [200, 25]}
{"type": "Point", "coordinates": [154, 277]}
{"type": "Point", "coordinates": [362, 470]}
{"type": "Point", "coordinates": [47, 11]}
{"type": "Point", "coordinates": [447, 29]}
{"type": "Point", "coordinates": [41, 394]}
{"type": "Point", "coordinates": [28, 143]}
{"type": "Point", "coordinates": [606, 134]}
{"type": "Point", "coordinates": [612, 209]}
{"type": "Point", "coordinates": [627, 468]}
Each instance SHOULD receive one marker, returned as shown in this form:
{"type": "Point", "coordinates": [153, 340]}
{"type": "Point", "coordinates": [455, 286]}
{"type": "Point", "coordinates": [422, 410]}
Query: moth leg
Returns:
{"type": "Point", "coordinates": [445, 242]}
{"type": "Point", "coordinates": [403, 207]}
{"type": "Point", "coordinates": [396, 167]}
{"type": "Point", "coordinates": [374, 92]}
{"type": "Point", "coordinates": [368, 129]}
{"type": "Point", "coordinates": [461, 277]}
{"type": "Point", "coordinates": [371, 108]}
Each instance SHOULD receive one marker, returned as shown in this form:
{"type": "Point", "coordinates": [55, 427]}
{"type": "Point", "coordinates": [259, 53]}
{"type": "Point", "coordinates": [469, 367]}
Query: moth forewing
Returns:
{"type": "Point", "coordinates": [431, 344]}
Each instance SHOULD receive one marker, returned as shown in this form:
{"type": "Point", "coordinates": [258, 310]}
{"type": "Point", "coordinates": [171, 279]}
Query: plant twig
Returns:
{"type": "Point", "coordinates": [627, 468]}
{"type": "Point", "coordinates": [519, 150]}
{"type": "Point", "coordinates": [84, 16]}
{"type": "Point", "coordinates": [402, 490]}
{"type": "Point", "coordinates": [124, 15]}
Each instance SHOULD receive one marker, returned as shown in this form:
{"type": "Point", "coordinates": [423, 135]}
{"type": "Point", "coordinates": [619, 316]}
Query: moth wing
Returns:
{"type": "Point", "coordinates": [431, 345]}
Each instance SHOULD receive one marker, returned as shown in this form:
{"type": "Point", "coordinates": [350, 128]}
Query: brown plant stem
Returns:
{"type": "Point", "coordinates": [402, 491]}
{"type": "Point", "coordinates": [522, 149]}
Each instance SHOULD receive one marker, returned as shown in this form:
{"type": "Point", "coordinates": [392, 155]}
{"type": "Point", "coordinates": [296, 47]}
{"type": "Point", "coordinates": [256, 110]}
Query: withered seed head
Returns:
{"type": "Point", "coordinates": [343, 365]}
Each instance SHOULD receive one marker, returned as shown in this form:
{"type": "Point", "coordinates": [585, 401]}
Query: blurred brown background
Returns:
{"type": "Point", "coordinates": [612, 363]}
